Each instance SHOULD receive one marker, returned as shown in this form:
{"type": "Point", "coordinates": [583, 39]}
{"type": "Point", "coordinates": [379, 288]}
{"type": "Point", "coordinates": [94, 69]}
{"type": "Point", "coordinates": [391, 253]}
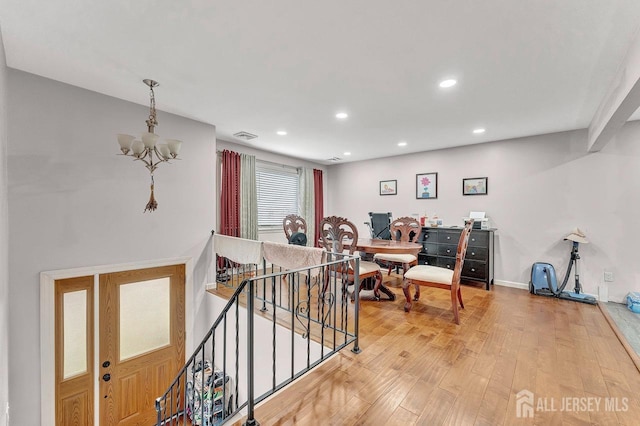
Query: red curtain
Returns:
{"type": "Point", "coordinates": [319, 203]}
{"type": "Point", "coordinates": [230, 194]}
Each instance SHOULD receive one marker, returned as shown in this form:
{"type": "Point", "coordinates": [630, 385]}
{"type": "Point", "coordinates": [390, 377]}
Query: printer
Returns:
{"type": "Point", "coordinates": [480, 220]}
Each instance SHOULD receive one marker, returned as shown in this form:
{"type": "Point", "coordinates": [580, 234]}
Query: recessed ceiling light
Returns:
{"type": "Point", "coordinates": [403, 143]}
{"type": "Point", "coordinates": [282, 132]}
{"type": "Point", "coordinates": [347, 153]}
{"type": "Point", "coordinates": [448, 83]}
{"type": "Point", "coordinates": [478, 131]}
{"type": "Point", "coordinates": [342, 115]}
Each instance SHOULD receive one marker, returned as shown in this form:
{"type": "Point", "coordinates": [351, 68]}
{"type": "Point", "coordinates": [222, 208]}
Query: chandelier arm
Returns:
{"type": "Point", "coordinates": [161, 158]}
{"type": "Point", "coordinates": [147, 163]}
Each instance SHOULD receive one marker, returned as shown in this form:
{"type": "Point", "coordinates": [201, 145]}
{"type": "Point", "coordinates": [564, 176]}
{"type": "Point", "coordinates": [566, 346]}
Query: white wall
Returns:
{"type": "Point", "coordinates": [539, 189]}
{"type": "Point", "coordinates": [74, 203]}
{"type": "Point", "coordinates": [4, 245]}
{"type": "Point", "coordinates": [263, 347]}
{"type": "Point", "coordinates": [275, 235]}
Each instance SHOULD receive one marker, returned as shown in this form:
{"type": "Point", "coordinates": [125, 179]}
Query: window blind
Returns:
{"type": "Point", "coordinates": [277, 194]}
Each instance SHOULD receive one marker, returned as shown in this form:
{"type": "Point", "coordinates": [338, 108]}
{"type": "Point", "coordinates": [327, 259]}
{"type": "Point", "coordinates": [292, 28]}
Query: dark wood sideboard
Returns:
{"type": "Point", "coordinates": [439, 249]}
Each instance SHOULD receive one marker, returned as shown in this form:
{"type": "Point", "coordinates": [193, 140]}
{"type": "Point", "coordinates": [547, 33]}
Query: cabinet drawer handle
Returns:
{"type": "Point", "coordinates": [473, 269]}
{"type": "Point", "coordinates": [448, 238]}
{"type": "Point", "coordinates": [473, 254]}
{"type": "Point", "coordinates": [448, 250]}
{"type": "Point", "coordinates": [448, 266]}
{"type": "Point", "coordinates": [473, 239]}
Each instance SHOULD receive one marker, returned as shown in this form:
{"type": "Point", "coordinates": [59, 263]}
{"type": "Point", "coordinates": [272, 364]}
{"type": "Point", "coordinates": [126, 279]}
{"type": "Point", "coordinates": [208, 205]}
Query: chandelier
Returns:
{"type": "Point", "coordinates": [146, 149]}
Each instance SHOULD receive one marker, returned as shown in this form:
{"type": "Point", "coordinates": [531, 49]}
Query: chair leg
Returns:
{"type": "Point", "coordinates": [407, 295]}
{"type": "Point", "coordinates": [454, 304]}
{"type": "Point", "coordinates": [417, 295]}
{"type": "Point", "coordinates": [460, 298]}
{"type": "Point", "coordinates": [390, 268]}
{"type": "Point", "coordinates": [376, 285]}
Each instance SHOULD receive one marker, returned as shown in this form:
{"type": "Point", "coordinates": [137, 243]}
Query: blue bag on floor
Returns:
{"type": "Point", "coordinates": [633, 301]}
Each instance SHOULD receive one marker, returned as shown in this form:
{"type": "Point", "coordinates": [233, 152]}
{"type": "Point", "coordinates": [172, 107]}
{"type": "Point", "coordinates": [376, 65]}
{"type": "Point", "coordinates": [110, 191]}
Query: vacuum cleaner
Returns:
{"type": "Point", "coordinates": [543, 275]}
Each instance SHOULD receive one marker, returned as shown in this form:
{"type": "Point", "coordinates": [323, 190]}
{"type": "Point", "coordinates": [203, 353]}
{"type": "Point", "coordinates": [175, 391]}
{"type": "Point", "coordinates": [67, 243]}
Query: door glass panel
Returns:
{"type": "Point", "coordinates": [144, 317]}
{"type": "Point", "coordinates": [75, 333]}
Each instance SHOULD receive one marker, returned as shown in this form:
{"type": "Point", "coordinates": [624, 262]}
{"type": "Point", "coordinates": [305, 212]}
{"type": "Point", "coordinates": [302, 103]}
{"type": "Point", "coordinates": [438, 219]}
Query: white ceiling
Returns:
{"type": "Point", "coordinates": [523, 67]}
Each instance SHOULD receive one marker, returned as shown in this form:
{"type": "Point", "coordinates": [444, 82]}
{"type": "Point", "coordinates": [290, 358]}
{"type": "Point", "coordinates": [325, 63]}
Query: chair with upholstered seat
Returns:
{"type": "Point", "coordinates": [339, 235]}
{"type": "Point", "coordinates": [292, 224]}
{"type": "Point", "coordinates": [404, 229]}
{"type": "Point", "coordinates": [433, 276]}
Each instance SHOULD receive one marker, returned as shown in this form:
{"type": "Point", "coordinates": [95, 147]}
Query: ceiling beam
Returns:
{"type": "Point", "coordinates": [620, 102]}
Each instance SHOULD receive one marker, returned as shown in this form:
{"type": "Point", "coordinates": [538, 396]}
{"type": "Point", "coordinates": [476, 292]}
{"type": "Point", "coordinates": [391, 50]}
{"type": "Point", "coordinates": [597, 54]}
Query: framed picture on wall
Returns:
{"type": "Point", "coordinates": [475, 186]}
{"type": "Point", "coordinates": [427, 186]}
{"type": "Point", "coordinates": [388, 187]}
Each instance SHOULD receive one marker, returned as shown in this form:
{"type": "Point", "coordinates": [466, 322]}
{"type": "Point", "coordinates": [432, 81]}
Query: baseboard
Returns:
{"type": "Point", "coordinates": [523, 286]}
{"type": "Point", "coordinates": [512, 284]}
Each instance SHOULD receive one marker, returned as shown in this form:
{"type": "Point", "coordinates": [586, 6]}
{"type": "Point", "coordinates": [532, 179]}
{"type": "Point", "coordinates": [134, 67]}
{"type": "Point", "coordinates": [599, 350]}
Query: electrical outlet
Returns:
{"type": "Point", "coordinates": [608, 276]}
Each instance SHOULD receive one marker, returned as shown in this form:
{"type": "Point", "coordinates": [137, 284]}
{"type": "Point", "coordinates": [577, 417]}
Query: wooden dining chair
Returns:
{"type": "Point", "coordinates": [339, 235]}
{"type": "Point", "coordinates": [433, 276]}
{"type": "Point", "coordinates": [404, 229]}
{"type": "Point", "coordinates": [293, 223]}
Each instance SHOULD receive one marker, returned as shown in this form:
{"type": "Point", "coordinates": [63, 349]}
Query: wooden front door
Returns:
{"type": "Point", "coordinates": [142, 323]}
{"type": "Point", "coordinates": [74, 351]}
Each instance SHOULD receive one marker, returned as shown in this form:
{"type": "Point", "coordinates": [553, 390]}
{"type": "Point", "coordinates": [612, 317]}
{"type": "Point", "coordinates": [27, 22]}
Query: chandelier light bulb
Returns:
{"type": "Point", "coordinates": [149, 140]}
{"type": "Point", "coordinates": [137, 147]}
{"type": "Point", "coordinates": [164, 150]}
{"type": "Point", "coordinates": [174, 147]}
{"type": "Point", "coordinates": [125, 142]}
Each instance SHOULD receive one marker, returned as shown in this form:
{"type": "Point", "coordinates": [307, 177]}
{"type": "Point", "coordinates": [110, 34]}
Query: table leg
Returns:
{"type": "Point", "coordinates": [380, 287]}
{"type": "Point", "coordinates": [388, 292]}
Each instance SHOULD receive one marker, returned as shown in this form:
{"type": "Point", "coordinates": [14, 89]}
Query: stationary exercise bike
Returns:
{"type": "Point", "coordinates": [544, 273]}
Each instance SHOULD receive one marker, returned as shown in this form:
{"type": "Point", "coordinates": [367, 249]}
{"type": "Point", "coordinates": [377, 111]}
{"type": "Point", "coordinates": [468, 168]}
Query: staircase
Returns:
{"type": "Point", "coordinates": [276, 326]}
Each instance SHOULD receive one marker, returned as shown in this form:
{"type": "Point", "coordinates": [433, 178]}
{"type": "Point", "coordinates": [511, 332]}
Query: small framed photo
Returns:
{"type": "Point", "coordinates": [475, 186]}
{"type": "Point", "coordinates": [388, 187]}
{"type": "Point", "coordinates": [427, 186]}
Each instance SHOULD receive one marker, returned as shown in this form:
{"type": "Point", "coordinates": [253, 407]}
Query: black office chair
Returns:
{"type": "Point", "coordinates": [379, 224]}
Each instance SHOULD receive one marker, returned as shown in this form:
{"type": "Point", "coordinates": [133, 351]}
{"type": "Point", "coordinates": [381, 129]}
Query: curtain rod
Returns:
{"type": "Point", "coordinates": [270, 162]}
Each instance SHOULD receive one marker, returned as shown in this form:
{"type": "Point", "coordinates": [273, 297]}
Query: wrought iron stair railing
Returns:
{"type": "Point", "coordinates": [293, 319]}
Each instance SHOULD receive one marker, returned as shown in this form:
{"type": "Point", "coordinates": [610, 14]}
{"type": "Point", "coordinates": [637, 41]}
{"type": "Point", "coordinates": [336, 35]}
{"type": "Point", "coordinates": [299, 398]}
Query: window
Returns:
{"type": "Point", "coordinates": [277, 188]}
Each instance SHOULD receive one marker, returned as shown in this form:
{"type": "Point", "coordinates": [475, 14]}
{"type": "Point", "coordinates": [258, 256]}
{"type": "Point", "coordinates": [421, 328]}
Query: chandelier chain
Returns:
{"type": "Point", "coordinates": [152, 121]}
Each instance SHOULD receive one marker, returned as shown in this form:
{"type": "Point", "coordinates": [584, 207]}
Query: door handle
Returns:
{"type": "Point", "coordinates": [106, 377]}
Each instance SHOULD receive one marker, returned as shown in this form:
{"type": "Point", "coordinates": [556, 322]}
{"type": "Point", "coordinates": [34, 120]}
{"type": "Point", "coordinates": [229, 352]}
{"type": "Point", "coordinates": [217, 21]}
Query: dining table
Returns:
{"type": "Point", "coordinates": [371, 246]}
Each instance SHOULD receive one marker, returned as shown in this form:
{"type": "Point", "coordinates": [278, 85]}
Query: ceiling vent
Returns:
{"type": "Point", "coordinates": [334, 159]}
{"type": "Point", "coordinates": [245, 135]}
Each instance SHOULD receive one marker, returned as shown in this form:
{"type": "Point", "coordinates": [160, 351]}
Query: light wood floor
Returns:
{"type": "Point", "coordinates": [420, 368]}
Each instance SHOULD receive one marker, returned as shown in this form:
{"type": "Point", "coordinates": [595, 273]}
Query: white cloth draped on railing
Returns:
{"type": "Point", "coordinates": [238, 250]}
